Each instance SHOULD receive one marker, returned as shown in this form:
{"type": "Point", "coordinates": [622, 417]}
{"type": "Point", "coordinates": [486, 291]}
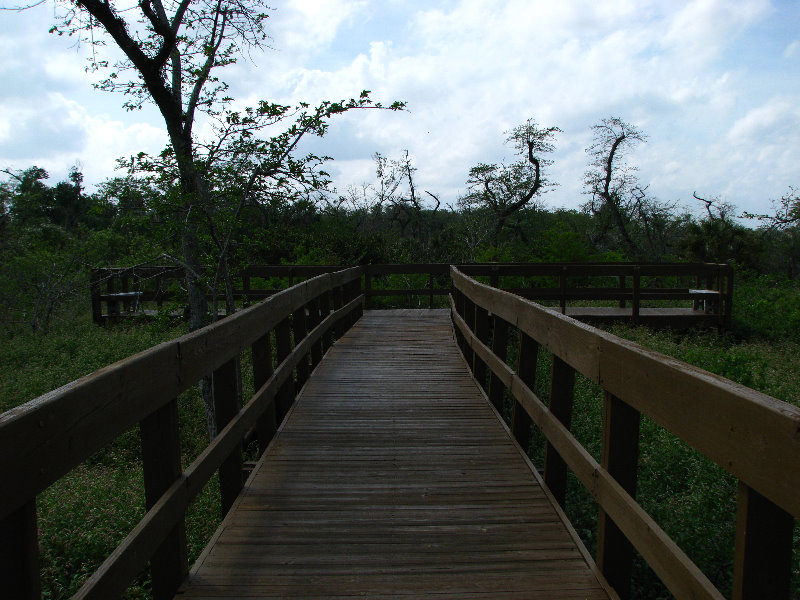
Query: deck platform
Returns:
{"type": "Point", "coordinates": [393, 477]}
{"type": "Point", "coordinates": [657, 317]}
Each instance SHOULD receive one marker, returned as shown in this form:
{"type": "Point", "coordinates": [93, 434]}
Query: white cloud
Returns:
{"type": "Point", "coordinates": [470, 70]}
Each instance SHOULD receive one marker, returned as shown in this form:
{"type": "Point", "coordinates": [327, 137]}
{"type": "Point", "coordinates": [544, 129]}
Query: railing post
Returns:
{"type": "Point", "coordinates": [299, 330]}
{"type": "Point", "coordinates": [562, 281]}
{"type": "Point", "coordinates": [338, 302]}
{"type": "Point", "coordinates": [763, 555]}
{"type": "Point", "coordinates": [430, 287]}
{"type": "Point", "coordinates": [620, 457]}
{"type": "Point", "coordinates": [562, 385]}
{"type": "Point", "coordinates": [728, 297]}
{"type": "Point", "coordinates": [622, 279]}
{"type": "Point", "coordinates": [351, 293]}
{"type": "Point", "coordinates": [458, 303]}
{"type": "Point", "coordinates": [283, 348]}
{"type": "Point", "coordinates": [161, 466]}
{"type": "Point", "coordinates": [261, 352]}
{"type": "Point", "coordinates": [314, 320]}
{"type": "Point", "coordinates": [526, 370]}
{"type": "Point", "coordinates": [230, 471]}
{"type": "Point", "coordinates": [19, 553]}
{"type": "Point", "coordinates": [324, 311]}
{"type": "Point", "coordinates": [469, 319]}
{"type": "Point", "coordinates": [97, 307]}
{"type": "Point", "coordinates": [635, 307]}
{"type": "Point", "coordinates": [368, 287]}
{"type": "Point", "coordinates": [500, 349]}
{"type": "Point", "coordinates": [112, 305]}
{"type": "Point", "coordinates": [482, 333]}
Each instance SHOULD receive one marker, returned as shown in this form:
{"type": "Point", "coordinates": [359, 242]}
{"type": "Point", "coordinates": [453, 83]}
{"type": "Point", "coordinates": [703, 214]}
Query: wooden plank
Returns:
{"type": "Point", "coordinates": [562, 388]}
{"type": "Point", "coordinates": [500, 350]}
{"type": "Point", "coordinates": [19, 553]}
{"type": "Point", "coordinates": [763, 559]}
{"type": "Point", "coordinates": [261, 357]}
{"type": "Point", "coordinates": [620, 457]}
{"type": "Point", "coordinates": [161, 465]}
{"type": "Point", "coordinates": [393, 477]}
{"type": "Point", "coordinates": [230, 471]}
{"type": "Point", "coordinates": [482, 332]}
{"type": "Point", "coordinates": [527, 359]}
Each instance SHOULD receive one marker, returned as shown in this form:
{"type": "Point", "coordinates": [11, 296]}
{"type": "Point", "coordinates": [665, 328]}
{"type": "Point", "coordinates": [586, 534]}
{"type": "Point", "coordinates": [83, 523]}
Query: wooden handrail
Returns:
{"type": "Point", "coordinates": [751, 435]}
{"type": "Point", "coordinates": [44, 439]}
{"type": "Point", "coordinates": [705, 274]}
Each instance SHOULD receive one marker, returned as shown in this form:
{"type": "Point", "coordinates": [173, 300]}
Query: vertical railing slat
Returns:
{"type": "Point", "coordinates": [620, 457]}
{"type": "Point", "coordinates": [482, 333]}
{"type": "Point", "coordinates": [325, 310]}
{"type": "Point", "coordinates": [299, 330]}
{"type": "Point", "coordinates": [230, 472]}
{"type": "Point", "coordinates": [562, 386]}
{"type": "Point", "coordinates": [636, 299]}
{"type": "Point", "coordinates": [261, 352]}
{"type": "Point", "coordinates": [161, 466]}
{"type": "Point", "coordinates": [527, 360]}
{"type": "Point", "coordinates": [19, 554]}
{"type": "Point", "coordinates": [314, 320]}
{"type": "Point", "coordinates": [763, 555]}
{"type": "Point", "coordinates": [500, 349]}
{"type": "Point", "coordinates": [283, 348]}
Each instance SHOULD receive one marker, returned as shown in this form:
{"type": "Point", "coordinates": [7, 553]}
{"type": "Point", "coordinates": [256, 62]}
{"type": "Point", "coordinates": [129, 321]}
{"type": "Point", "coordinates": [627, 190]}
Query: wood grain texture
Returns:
{"type": "Point", "coordinates": [393, 477]}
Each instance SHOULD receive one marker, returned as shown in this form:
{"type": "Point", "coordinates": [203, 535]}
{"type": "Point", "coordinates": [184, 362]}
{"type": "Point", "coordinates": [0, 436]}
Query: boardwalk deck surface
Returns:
{"type": "Point", "coordinates": [392, 477]}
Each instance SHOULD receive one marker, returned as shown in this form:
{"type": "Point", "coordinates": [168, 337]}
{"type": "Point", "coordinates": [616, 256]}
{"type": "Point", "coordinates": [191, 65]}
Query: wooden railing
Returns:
{"type": "Point", "coordinates": [753, 436]}
{"type": "Point", "coordinates": [704, 285]}
{"type": "Point", "coordinates": [43, 440]}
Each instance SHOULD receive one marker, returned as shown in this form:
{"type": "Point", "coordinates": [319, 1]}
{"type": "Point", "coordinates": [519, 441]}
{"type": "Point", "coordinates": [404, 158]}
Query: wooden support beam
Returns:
{"type": "Point", "coordinates": [763, 556]}
{"type": "Point", "coordinates": [325, 310]}
{"type": "Point", "coordinates": [161, 466]}
{"type": "Point", "coordinates": [500, 349]}
{"type": "Point", "coordinates": [299, 331]}
{"type": "Point", "coordinates": [620, 457]}
{"type": "Point", "coordinates": [283, 348]}
{"type": "Point", "coordinates": [314, 319]}
{"type": "Point", "coordinates": [261, 352]}
{"type": "Point", "coordinates": [19, 554]}
{"type": "Point", "coordinates": [527, 359]}
{"type": "Point", "coordinates": [230, 472]}
{"type": "Point", "coordinates": [562, 388]}
{"type": "Point", "coordinates": [469, 319]}
{"type": "Point", "coordinates": [367, 289]}
{"type": "Point", "coordinates": [481, 321]}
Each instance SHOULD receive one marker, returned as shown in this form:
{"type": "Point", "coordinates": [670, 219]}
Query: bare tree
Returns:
{"type": "Point", "coordinates": [786, 211]}
{"type": "Point", "coordinates": [611, 181]}
{"type": "Point", "coordinates": [504, 190]}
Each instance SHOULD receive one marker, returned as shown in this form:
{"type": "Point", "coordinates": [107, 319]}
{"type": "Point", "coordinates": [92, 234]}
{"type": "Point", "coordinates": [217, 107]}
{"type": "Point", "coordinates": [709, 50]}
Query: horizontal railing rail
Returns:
{"type": "Point", "coordinates": [126, 291]}
{"type": "Point", "coordinates": [751, 435]}
{"type": "Point", "coordinates": [44, 439]}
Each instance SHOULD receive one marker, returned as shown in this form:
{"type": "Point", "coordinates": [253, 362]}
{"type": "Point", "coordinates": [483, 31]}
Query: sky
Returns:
{"type": "Point", "coordinates": [714, 84]}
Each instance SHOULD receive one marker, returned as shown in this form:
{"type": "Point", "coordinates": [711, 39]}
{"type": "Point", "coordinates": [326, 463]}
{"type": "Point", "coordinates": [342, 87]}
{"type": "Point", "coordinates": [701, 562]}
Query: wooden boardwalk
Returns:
{"type": "Point", "coordinates": [393, 477]}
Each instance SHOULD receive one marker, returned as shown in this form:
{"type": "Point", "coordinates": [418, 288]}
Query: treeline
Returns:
{"type": "Point", "coordinates": [50, 236]}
